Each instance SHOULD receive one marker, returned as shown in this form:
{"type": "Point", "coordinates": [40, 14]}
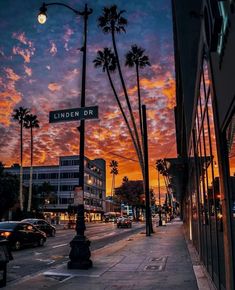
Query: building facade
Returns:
{"type": "Point", "coordinates": [204, 44]}
{"type": "Point", "coordinates": [63, 180]}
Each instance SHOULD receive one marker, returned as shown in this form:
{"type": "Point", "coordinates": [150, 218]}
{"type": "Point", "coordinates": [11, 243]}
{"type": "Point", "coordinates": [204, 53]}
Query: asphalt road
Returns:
{"type": "Point", "coordinates": [30, 261]}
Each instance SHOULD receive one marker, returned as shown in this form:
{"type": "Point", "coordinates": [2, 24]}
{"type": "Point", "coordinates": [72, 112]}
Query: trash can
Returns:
{"type": "Point", "coordinates": [5, 257]}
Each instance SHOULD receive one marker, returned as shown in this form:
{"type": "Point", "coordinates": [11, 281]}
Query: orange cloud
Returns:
{"type": "Point", "coordinates": [25, 53]}
{"type": "Point", "coordinates": [54, 87]}
{"type": "Point", "coordinates": [151, 84]}
{"type": "Point", "coordinates": [8, 100]}
{"type": "Point", "coordinates": [11, 75]}
{"type": "Point", "coordinates": [28, 70]}
{"type": "Point", "coordinates": [169, 92]}
{"type": "Point", "coordinates": [20, 36]}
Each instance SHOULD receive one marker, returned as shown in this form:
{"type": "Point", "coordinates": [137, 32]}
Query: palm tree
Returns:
{"type": "Point", "coordinates": [125, 179]}
{"type": "Point", "coordinates": [114, 171]}
{"type": "Point", "coordinates": [135, 57]}
{"type": "Point", "coordinates": [113, 22]}
{"type": "Point", "coordinates": [106, 59]}
{"type": "Point", "coordinates": [31, 122]}
{"type": "Point", "coordinates": [19, 115]}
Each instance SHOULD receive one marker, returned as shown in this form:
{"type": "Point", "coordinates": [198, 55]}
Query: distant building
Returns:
{"type": "Point", "coordinates": [63, 179]}
{"type": "Point", "coordinates": [204, 45]}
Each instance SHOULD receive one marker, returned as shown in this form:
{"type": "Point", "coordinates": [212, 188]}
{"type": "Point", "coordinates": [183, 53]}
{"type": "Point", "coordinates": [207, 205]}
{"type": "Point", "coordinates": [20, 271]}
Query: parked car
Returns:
{"type": "Point", "coordinates": [42, 225]}
{"type": "Point", "coordinates": [21, 234]}
{"type": "Point", "coordinates": [124, 222]}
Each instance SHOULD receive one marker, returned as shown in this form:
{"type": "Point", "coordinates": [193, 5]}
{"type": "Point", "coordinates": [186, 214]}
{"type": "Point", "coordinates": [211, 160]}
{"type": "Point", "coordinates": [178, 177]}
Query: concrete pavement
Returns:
{"type": "Point", "coordinates": [161, 261]}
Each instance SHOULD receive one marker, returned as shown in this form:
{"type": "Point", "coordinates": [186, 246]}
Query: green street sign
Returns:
{"type": "Point", "coordinates": [73, 114]}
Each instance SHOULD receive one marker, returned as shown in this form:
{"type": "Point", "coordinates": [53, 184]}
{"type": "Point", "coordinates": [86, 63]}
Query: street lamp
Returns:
{"type": "Point", "coordinates": [159, 202]}
{"type": "Point", "coordinates": [160, 166]}
{"type": "Point", "coordinates": [80, 252]}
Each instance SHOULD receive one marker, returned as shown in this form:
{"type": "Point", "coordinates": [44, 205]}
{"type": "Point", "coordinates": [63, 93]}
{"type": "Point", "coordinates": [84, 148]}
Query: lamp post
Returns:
{"type": "Point", "coordinates": [160, 166]}
{"type": "Point", "coordinates": [80, 252]}
{"type": "Point", "coordinates": [159, 202]}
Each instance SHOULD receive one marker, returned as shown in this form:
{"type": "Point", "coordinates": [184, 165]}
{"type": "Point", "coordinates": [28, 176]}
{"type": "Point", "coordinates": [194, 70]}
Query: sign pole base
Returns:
{"type": "Point", "coordinates": [80, 252]}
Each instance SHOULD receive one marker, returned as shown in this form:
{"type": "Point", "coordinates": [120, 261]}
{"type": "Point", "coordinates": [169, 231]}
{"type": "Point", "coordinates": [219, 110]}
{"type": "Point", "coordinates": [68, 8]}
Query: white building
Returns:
{"type": "Point", "coordinates": [63, 179]}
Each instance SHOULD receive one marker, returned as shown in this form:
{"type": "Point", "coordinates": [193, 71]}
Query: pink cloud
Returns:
{"type": "Point", "coordinates": [53, 48]}
{"type": "Point", "coordinates": [54, 87]}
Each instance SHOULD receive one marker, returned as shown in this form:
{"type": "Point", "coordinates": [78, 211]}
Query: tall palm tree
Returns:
{"type": "Point", "coordinates": [19, 115]}
{"type": "Point", "coordinates": [113, 22]}
{"type": "Point", "coordinates": [106, 59]}
{"type": "Point", "coordinates": [31, 122]}
{"type": "Point", "coordinates": [125, 179]}
{"type": "Point", "coordinates": [135, 57]}
{"type": "Point", "coordinates": [114, 171]}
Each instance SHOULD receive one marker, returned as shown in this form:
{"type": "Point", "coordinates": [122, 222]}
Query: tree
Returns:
{"type": "Point", "coordinates": [19, 115]}
{"type": "Point", "coordinates": [106, 59]}
{"type": "Point", "coordinates": [131, 192]}
{"type": "Point", "coordinates": [114, 171]}
{"type": "Point", "coordinates": [31, 122]}
{"type": "Point", "coordinates": [9, 186]}
{"type": "Point", "coordinates": [113, 22]}
{"type": "Point", "coordinates": [135, 57]}
{"type": "Point", "coordinates": [125, 179]}
{"type": "Point", "coordinates": [45, 192]}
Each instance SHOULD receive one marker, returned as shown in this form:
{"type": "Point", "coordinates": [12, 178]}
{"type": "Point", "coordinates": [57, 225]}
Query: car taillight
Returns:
{"type": "Point", "coordinates": [6, 234]}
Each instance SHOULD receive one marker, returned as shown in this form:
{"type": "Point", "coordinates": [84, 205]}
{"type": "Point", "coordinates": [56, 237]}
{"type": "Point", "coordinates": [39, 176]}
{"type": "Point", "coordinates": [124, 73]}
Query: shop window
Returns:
{"type": "Point", "coordinates": [214, 184]}
{"type": "Point", "coordinates": [224, 14]}
{"type": "Point", "coordinates": [230, 138]}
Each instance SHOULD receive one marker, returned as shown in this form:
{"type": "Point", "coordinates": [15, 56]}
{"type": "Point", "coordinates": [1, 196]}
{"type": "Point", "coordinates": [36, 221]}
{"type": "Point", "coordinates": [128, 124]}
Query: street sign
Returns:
{"type": "Point", "coordinates": [78, 195]}
{"type": "Point", "coordinates": [73, 114]}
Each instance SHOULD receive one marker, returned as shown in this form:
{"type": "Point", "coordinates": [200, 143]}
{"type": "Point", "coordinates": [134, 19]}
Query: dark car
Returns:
{"type": "Point", "coordinates": [20, 234]}
{"type": "Point", "coordinates": [124, 222]}
{"type": "Point", "coordinates": [42, 225]}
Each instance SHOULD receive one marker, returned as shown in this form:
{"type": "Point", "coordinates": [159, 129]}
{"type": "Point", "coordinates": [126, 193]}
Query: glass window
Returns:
{"type": "Point", "coordinates": [230, 134]}
{"type": "Point", "coordinates": [224, 14]}
{"type": "Point", "coordinates": [205, 185]}
{"type": "Point", "coordinates": [214, 183]}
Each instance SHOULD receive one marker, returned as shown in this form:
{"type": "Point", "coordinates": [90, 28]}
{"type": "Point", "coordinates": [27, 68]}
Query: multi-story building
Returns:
{"type": "Point", "coordinates": [204, 42]}
{"type": "Point", "coordinates": [63, 180]}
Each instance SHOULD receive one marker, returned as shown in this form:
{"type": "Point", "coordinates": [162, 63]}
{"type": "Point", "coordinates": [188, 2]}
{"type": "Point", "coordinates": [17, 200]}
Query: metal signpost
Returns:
{"type": "Point", "coordinates": [80, 244]}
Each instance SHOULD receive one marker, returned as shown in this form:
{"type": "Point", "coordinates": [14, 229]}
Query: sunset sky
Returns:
{"type": "Point", "coordinates": [40, 69]}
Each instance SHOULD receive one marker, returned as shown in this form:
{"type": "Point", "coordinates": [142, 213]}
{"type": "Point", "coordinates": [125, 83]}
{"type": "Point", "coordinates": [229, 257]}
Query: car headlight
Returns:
{"type": "Point", "coordinates": [6, 234]}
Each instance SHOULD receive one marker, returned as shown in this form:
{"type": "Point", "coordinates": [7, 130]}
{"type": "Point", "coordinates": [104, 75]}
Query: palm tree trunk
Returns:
{"type": "Point", "coordinates": [21, 166]}
{"type": "Point", "coordinates": [125, 118]}
{"type": "Point", "coordinates": [128, 104]}
{"type": "Point", "coordinates": [139, 101]}
{"type": "Point", "coordinates": [31, 173]}
{"type": "Point", "coordinates": [112, 185]}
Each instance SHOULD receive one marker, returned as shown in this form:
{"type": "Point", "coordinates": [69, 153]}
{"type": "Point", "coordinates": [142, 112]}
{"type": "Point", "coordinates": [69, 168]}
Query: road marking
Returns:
{"type": "Point", "coordinates": [37, 253]}
{"type": "Point", "coordinates": [48, 261]}
{"type": "Point", "coordinates": [61, 245]}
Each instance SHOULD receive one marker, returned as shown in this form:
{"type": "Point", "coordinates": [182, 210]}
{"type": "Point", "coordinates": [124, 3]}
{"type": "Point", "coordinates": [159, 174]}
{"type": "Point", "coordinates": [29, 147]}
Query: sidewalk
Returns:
{"type": "Point", "coordinates": [161, 261]}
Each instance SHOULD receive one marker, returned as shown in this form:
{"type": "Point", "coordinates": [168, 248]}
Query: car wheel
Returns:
{"type": "Point", "coordinates": [41, 242]}
{"type": "Point", "coordinates": [17, 245]}
{"type": "Point", "coordinates": [53, 233]}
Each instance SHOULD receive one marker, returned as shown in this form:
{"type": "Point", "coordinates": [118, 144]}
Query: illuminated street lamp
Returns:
{"type": "Point", "coordinates": [80, 252]}
{"type": "Point", "coordinates": [42, 16]}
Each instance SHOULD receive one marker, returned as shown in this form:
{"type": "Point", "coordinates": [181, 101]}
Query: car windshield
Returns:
{"type": "Point", "coordinates": [8, 226]}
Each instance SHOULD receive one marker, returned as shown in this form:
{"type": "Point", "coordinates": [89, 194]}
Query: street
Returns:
{"type": "Point", "coordinates": [30, 261]}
